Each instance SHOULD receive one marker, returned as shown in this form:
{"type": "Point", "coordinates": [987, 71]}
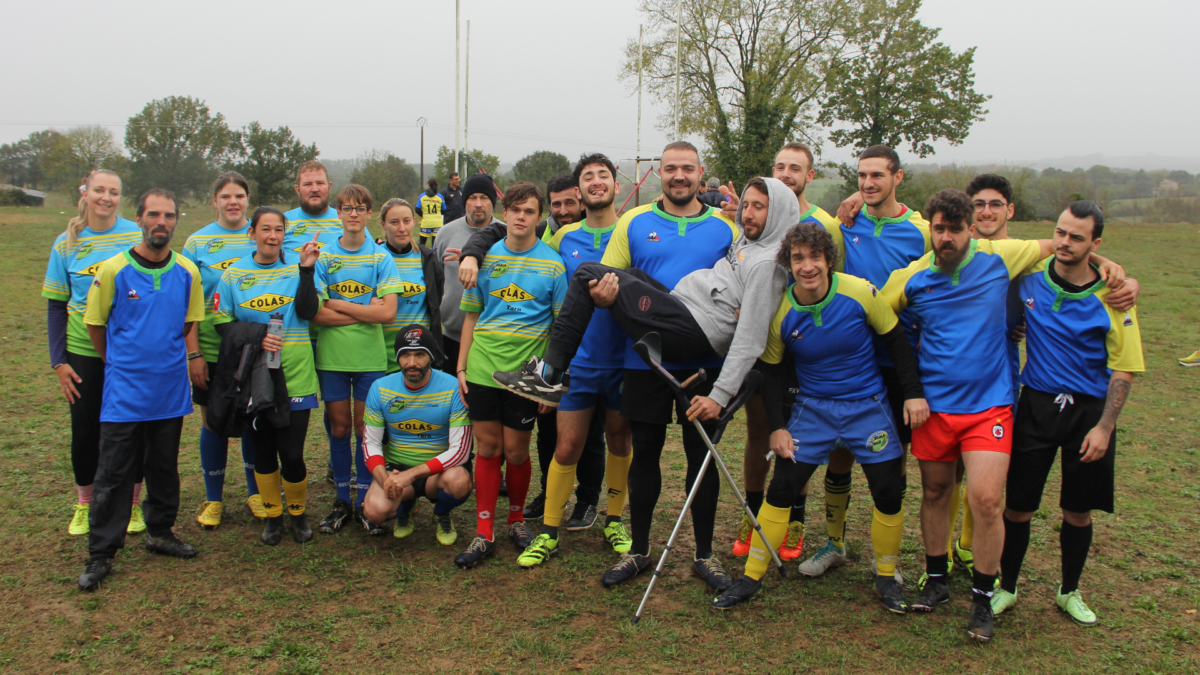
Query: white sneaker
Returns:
{"type": "Point", "coordinates": [827, 558]}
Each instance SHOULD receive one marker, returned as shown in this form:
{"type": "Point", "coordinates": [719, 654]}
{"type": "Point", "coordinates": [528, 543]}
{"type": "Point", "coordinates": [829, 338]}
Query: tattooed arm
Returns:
{"type": "Point", "coordinates": [1095, 444]}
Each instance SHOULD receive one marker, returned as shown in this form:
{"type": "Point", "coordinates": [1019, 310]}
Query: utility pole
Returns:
{"type": "Point", "coordinates": [467, 96]}
{"type": "Point", "coordinates": [421, 122]}
{"type": "Point", "coordinates": [678, 40]}
{"type": "Point", "coordinates": [457, 100]}
{"type": "Point", "coordinates": [637, 170]}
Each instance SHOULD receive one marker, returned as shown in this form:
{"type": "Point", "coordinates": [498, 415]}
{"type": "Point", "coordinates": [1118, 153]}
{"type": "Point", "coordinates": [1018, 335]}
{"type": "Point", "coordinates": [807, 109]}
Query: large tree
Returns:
{"type": "Point", "coordinates": [82, 150]}
{"type": "Point", "coordinates": [176, 143]}
{"type": "Point", "coordinates": [27, 162]}
{"type": "Point", "coordinates": [540, 166]}
{"type": "Point", "coordinates": [898, 86]}
{"type": "Point", "coordinates": [268, 158]}
{"type": "Point", "coordinates": [752, 73]}
{"type": "Point", "coordinates": [469, 162]}
{"type": "Point", "coordinates": [386, 176]}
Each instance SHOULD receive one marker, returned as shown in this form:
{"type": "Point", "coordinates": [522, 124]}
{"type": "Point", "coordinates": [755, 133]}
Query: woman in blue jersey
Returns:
{"type": "Point", "coordinates": [421, 276]}
{"type": "Point", "coordinates": [254, 289]}
{"type": "Point", "coordinates": [214, 248]}
{"type": "Point", "coordinates": [93, 236]}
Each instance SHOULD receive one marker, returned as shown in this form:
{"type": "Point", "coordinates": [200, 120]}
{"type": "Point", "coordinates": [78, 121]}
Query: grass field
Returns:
{"type": "Point", "coordinates": [347, 603]}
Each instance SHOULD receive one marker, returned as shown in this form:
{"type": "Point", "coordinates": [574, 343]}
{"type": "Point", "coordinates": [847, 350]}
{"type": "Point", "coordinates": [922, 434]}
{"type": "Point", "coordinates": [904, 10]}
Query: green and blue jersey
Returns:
{"type": "Point", "coordinates": [214, 248]}
{"type": "Point", "coordinates": [424, 426]}
{"type": "Point", "coordinates": [517, 297]}
{"type": "Point", "coordinates": [355, 276]}
{"type": "Point", "coordinates": [251, 291]}
{"type": "Point", "coordinates": [603, 344]}
{"type": "Point", "coordinates": [70, 273]}
{"type": "Point", "coordinates": [1074, 341]}
{"type": "Point", "coordinates": [143, 312]}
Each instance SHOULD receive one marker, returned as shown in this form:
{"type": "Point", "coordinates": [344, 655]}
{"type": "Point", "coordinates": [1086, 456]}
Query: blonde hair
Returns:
{"type": "Point", "coordinates": [76, 224]}
{"type": "Point", "coordinates": [394, 201]}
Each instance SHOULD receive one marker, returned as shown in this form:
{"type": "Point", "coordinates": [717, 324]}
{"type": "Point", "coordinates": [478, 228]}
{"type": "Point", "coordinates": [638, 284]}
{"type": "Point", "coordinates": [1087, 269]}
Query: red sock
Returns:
{"type": "Point", "coordinates": [518, 488]}
{"type": "Point", "coordinates": [487, 491]}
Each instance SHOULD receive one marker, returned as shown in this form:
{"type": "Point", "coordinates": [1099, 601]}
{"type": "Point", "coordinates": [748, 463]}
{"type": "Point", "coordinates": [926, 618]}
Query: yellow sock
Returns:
{"type": "Point", "coordinates": [968, 531]}
{"type": "Point", "coordinates": [886, 532]}
{"type": "Point", "coordinates": [616, 474]}
{"type": "Point", "coordinates": [560, 480]}
{"type": "Point", "coordinates": [774, 522]}
{"type": "Point", "coordinates": [837, 502]}
{"type": "Point", "coordinates": [955, 498]}
{"type": "Point", "coordinates": [268, 487]}
{"type": "Point", "coordinates": [296, 494]}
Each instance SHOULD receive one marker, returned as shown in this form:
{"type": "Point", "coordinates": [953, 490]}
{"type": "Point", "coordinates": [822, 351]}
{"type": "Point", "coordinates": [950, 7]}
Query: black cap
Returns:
{"type": "Point", "coordinates": [417, 337]}
{"type": "Point", "coordinates": [479, 183]}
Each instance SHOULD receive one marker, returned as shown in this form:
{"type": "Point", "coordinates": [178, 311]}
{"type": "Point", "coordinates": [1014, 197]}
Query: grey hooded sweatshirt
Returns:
{"type": "Point", "coordinates": [735, 301]}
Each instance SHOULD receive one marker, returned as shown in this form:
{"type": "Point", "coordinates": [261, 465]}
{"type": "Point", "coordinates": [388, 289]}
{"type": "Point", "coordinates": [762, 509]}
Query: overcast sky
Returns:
{"type": "Point", "coordinates": [1074, 77]}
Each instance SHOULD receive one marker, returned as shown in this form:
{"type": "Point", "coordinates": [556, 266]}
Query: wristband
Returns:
{"type": "Point", "coordinates": [461, 371]}
{"type": "Point", "coordinates": [195, 355]}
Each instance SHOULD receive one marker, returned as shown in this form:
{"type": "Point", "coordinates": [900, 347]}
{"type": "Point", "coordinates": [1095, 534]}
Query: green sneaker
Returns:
{"type": "Point", "coordinates": [965, 557]}
{"type": "Point", "coordinates": [446, 534]}
{"type": "Point", "coordinates": [79, 521]}
{"type": "Point", "coordinates": [404, 525]}
{"type": "Point", "coordinates": [1072, 603]}
{"type": "Point", "coordinates": [137, 523]}
{"type": "Point", "coordinates": [539, 551]}
{"type": "Point", "coordinates": [616, 535]}
{"type": "Point", "coordinates": [1002, 601]}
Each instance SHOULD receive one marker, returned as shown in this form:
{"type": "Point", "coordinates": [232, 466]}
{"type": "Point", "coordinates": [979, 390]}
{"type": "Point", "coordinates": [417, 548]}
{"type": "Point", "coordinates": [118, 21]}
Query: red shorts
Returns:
{"type": "Point", "coordinates": [945, 436]}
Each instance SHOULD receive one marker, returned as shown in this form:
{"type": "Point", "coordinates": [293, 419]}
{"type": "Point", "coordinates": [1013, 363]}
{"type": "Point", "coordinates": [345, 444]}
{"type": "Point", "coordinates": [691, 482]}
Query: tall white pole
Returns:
{"type": "Point", "coordinates": [678, 40]}
{"type": "Point", "coordinates": [637, 163]}
{"type": "Point", "coordinates": [467, 96]}
{"type": "Point", "coordinates": [457, 90]}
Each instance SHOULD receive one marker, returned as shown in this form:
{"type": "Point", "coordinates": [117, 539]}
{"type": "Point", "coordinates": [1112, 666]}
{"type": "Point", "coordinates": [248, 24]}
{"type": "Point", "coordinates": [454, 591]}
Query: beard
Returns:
{"type": "Point", "coordinates": [320, 209]}
{"type": "Point", "coordinates": [681, 201]}
{"type": "Point", "coordinates": [949, 260]}
{"type": "Point", "coordinates": [157, 240]}
{"type": "Point", "coordinates": [601, 203]}
{"type": "Point", "coordinates": [415, 375]}
{"type": "Point", "coordinates": [480, 219]}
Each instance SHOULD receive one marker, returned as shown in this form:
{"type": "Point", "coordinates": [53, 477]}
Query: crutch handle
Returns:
{"type": "Point", "coordinates": [695, 379]}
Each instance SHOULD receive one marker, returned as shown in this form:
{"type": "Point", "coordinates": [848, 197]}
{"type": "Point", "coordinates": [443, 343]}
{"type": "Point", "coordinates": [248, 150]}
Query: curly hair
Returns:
{"type": "Point", "coordinates": [812, 235]}
{"type": "Point", "coordinates": [954, 205]}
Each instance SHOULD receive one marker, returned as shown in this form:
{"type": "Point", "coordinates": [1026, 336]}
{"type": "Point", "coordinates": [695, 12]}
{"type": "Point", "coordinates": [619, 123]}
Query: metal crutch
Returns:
{"type": "Point", "coordinates": [650, 349]}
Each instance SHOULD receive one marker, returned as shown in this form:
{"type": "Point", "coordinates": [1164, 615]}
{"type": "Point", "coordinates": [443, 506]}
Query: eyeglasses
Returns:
{"type": "Point", "coordinates": [996, 204]}
{"type": "Point", "coordinates": [360, 210]}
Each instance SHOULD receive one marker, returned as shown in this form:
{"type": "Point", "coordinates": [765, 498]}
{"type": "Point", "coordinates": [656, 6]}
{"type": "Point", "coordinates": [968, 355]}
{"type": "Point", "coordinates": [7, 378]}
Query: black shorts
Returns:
{"type": "Point", "coordinates": [1045, 423]}
{"type": "Point", "coordinates": [895, 394]}
{"type": "Point", "coordinates": [200, 396]}
{"type": "Point", "coordinates": [647, 398]}
{"type": "Point", "coordinates": [493, 404]}
{"type": "Point", "coordinates": [418, 486]}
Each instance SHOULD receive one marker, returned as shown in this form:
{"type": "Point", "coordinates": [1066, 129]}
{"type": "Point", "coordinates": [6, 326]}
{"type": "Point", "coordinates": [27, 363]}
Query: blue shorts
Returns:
{"type": "Point", "coordinates": [591, 386]}
{"type": "Point", "coordinates": [304, 402]}
{"type": "Point", "coordinates": [864, 427]}
{"type": "Point", "coordinates": [337, 385]}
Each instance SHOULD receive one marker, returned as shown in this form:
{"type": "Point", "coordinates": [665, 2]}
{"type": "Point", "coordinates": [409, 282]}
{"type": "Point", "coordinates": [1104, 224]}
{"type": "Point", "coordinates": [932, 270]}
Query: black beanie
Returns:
{"type": "Point", "coordinates": [481, 183]}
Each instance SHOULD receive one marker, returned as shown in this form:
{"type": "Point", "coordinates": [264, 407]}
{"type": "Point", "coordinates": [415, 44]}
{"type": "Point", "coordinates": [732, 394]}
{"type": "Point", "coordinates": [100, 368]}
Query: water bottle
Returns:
{"type": "Point", "coordinates": [275, 327]}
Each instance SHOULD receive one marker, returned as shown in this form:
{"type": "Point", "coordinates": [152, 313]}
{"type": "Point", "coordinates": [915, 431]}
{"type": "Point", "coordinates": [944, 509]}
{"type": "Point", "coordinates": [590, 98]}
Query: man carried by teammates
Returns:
{"type": "Point", "coordinates": [956, 298]}
{"type": "Point", "coordinates": [828, 322]}
{"type": "Point", "coordinates": [508, 316]}
{"type": "Point", "coordinates": [730, 303]}
{"type": "Point", "coordinates": [1081, 357]}
{"type": "Point", "coordinates": [418, 436]}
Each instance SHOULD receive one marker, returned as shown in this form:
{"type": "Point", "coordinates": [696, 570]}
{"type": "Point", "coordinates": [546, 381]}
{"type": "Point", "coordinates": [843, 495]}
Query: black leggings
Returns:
{"type": "Point", "coordinates": [85, 419]}
{"type": "Point", "coordinates": [645, 484]}
{"type": "Point", "coordinates": [274, 447]}
{"type": "Point", "coordinates": [883, 478]}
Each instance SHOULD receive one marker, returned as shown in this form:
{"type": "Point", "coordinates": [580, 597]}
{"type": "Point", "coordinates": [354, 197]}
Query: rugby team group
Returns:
{"type": "Point", "coordinates": [440, 346]}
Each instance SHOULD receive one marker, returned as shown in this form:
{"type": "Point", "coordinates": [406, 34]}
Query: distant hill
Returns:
{"type": "Point", "coordinates": [1132, 162]}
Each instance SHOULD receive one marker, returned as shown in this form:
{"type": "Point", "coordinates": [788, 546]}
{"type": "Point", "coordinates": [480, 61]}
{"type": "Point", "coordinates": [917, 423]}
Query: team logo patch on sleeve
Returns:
{"type": "Point", "coordinates": [512, 293]}
{"type": "Point", "coordinates": [350, 288]}
{"type": "Point", "coordinates": [878, 441]}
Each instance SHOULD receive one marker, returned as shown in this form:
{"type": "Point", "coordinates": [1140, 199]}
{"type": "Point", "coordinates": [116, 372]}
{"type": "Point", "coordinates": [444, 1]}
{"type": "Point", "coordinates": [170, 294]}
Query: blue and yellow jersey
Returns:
{"type": "Point", "coordinates": [70, 273]}
{"type": "Point", "coordinates": [430, 209]}
{"type": "Point", "coordinates": [354, 276]}
{"type": "Point", "coordinates": [300, 228]}
{"type": "Point", "coordinates": [819, 216]}
{"type": "Point", "coordinates": [250, 291]}
{"type": "Point", "coordinates": [1074, 341]}
{"type": "Point", "coordinates": [962, 316]}
{"type": "Point", "coordinates": [213, 248]}
{"type": "Point", "coordinates": [832, 341]}
{"type": "Point", "coordinates": [517, 296]}
{"type": "Point", "coordinates": [668, 249]}
{"type": "Point", "coordinates": [412, 305]}
{"type": "Point", "coordinates": [418, 422]}
{"type": "Point", "coordinates": [143, 312]}
{"type": "Point", "coordinates": [603, 343]}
